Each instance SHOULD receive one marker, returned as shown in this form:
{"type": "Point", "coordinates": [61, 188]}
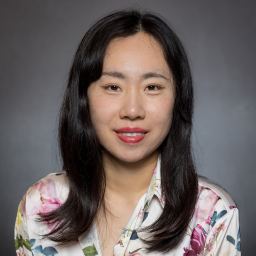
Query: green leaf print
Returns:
{"type": "Point", "coordinates": [238, 234]}
{"type": "Point", "coordinates": [38, 249]}
{"type": "Point", "coordinates": [90, 250]}
{"type": "Point", "coordinates": [134, 236]}
{"type": "Point", "coordinates": [146, 205]}
{"type": "Point", "coordinates": [145, 216]}
{"type": "Point", "coordinates": [50, 251]}
{"type": "Point", "coordinates": [17, 243]}
{"type": "Point", "coordinates": [20, 242]}
{"type": "Point", "coordinates": [27, 244]}
{"type": "Point", "coordinates": [32, 242]}
{"type": "Point", "coordinates": [47, 251]}
{"type": "Point", "coordinates": [221, 214]}
{"type": "Point", "coordinates": [231, 239]}
{"type": "Point", "coordinates": [216, 217]}
{"type": "Point", "coordinates": [238, 246]}
{"type": "Point", "coordinates": [135, 251]}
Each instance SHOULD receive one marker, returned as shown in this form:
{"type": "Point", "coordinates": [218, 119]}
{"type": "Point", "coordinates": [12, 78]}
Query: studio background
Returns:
{"type": "Point", "coordinates": [38, 42]}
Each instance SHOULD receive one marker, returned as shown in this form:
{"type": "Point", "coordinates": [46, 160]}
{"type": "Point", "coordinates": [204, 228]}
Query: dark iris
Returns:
{"type": "Point", "coordinates": [114, 87]}
{"type": "Point", "coordinates": [151, 87]}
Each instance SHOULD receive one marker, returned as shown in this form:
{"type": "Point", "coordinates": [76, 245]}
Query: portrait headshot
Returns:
{"type": "Point", "coordinates": [128, 128]}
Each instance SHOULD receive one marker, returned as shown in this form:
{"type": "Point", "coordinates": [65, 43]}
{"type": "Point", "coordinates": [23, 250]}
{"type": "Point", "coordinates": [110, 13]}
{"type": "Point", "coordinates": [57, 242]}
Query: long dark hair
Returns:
{"type": "Point", "coordinates": [81, 151]}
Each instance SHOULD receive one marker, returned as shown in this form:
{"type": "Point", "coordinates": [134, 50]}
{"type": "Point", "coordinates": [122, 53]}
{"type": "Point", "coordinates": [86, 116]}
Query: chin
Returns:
{"type": "Point", "coordinates": [131, 157]}
{"type": "Point", "coordinates": [128, 158]}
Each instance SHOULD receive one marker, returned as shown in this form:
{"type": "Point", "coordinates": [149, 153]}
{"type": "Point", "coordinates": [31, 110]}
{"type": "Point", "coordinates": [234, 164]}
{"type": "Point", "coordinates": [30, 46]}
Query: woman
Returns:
{"type": "Point", "coordinates": [129, 185]}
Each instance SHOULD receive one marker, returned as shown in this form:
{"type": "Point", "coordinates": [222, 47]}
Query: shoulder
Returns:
{"type": "Point", "coordinates": [45, 195]}
{"type": "Point", "coordinates": [216, 191]}
{"type": "Point", "coordinates": [212, 201]}
{"type": "Point", "coordinates": [220, 225]}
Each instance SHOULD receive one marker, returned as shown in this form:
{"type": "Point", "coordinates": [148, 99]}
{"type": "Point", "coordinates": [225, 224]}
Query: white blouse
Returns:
{"type": "Point", "coordinates": [213, 230]}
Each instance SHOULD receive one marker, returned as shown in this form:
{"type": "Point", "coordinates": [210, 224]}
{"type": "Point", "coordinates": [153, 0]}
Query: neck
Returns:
{"type": "Point", "coordinates": [128, 180]}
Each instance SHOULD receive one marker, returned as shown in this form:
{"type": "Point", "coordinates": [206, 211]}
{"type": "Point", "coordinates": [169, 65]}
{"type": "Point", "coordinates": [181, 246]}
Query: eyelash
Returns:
{"type": "Point", "coordinates": [154, 85]}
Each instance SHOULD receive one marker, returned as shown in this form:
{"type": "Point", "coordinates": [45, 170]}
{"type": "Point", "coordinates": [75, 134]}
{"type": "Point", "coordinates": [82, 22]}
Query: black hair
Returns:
{"type": "Point", "coordinates": [80, 149]}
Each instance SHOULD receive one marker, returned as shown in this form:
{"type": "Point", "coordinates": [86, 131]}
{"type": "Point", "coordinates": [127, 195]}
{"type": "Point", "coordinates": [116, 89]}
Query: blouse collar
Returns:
{"type": "Point", "coordinates": [155, 187]}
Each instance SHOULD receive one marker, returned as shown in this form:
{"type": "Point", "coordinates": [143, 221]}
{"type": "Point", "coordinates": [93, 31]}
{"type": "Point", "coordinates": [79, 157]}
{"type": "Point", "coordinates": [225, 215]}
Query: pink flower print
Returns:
{"type": "Point", "coordinates": [189, 252]}
{"type": "Point", "coordinates": [43, 198]}
{"type": "Point", "coordinates": [35, 206]}
{"type": "Point", "coordinates": [205, 205]}
{"type": "Point", "coordinates": [221, 226]}
{"type": "Point", "coordinates": [197, 241]}
{"type": "Point", "coordinates": [21, 252]}
{"type": "Point", "coordinates": [216, 230]}
{"type": "Point", "coordinates": [140, 213]}
{"type": "Point", "coordinates": [158, 185]}
{"type": "Point", "coordinates": [232, 207]}
{"type": "Point", "coordinates": [162, 199]}
{"type": "Point", "coordinates": [208, 247]}
{"type": "Point", "coordinates": [50, 204]}
{"type": "Point", "coordinates": [208, 222]}
{"type": "Point", "coordinates": [198, 238]}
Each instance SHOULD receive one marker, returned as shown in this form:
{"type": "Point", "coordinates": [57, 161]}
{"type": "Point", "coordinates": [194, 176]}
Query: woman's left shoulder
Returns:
{"type": "Point", "coordinates": [213, 192]}
{"type": "Point", "coordinates": [217, 216]}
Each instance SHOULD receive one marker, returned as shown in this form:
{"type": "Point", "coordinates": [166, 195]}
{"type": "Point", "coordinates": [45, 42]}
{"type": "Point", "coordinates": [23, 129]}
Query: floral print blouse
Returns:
{"type": "Point", "coordinates": [213, 230]}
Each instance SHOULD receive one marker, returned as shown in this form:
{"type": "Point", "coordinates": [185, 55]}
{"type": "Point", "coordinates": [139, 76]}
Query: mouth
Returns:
{"type": "Point", "coordinates": [134, 134]}
{"type": "Point", "coordinates": [131, 135]}
{"type": "Point", "coordinates": [131, 130]}
{"type": "Point", "coordinates": [131, 138]}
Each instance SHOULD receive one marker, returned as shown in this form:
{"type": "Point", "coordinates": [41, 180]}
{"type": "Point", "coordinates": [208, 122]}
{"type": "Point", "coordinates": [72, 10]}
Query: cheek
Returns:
{"type": "Point", "coordinates": [102, 112]}
{"type": "Point", "coordinates": [161, 112]}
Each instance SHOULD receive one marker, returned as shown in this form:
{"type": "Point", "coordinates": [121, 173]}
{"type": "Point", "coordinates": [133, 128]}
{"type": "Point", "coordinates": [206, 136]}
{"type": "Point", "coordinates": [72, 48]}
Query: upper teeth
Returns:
{"type": "Point", "coordinates": [131, 134]}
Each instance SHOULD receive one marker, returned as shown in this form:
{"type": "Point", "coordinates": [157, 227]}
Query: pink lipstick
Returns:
{"type": "Point", "coordinates": [131, 135]}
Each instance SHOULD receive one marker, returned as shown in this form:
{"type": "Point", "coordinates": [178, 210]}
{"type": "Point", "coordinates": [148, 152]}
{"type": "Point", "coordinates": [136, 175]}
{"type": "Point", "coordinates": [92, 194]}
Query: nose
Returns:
{"type": "Point", "coordinates": [132, 106]}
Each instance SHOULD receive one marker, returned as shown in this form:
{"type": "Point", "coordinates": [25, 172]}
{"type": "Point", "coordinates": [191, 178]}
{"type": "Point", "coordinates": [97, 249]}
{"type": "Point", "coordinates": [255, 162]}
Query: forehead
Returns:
{"type": "Point", "coordinates": [139, 39]}
{"type": "Point", "coordinates": [139, 52]}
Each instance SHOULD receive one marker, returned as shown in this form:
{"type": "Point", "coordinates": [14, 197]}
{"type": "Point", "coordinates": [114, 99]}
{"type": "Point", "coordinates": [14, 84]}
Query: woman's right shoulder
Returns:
{"type": "Point", "coordinates": [45, 195]}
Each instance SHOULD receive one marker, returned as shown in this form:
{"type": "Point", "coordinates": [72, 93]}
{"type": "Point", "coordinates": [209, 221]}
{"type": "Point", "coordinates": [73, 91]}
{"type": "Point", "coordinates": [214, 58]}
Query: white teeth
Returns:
{"type": "Point", "coordinates": [131, 134]}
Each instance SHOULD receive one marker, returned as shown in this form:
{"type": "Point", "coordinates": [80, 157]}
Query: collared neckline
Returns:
{"type": "Point", "coordinates": [155, 187]}
{"type": "Point", "coordinates": [91, 241]}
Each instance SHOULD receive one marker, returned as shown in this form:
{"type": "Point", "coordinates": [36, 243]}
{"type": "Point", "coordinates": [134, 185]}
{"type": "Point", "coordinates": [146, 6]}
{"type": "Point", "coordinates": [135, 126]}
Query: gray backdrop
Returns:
{"type": "Point", "coordinates": [38, 41]}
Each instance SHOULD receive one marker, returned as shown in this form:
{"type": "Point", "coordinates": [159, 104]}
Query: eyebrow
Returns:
{"type": "Point", "coordinates": [144, 77]}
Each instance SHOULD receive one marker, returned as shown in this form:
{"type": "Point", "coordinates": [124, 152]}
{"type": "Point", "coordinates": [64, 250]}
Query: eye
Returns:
{"type": "Point", "coordinates": [153, 87]}
{"type": "Point", "coordinates": [111, 88]}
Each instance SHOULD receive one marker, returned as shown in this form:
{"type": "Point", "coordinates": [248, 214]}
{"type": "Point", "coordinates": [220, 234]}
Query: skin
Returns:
{"type": "Point", "coordinates": [128, 100]}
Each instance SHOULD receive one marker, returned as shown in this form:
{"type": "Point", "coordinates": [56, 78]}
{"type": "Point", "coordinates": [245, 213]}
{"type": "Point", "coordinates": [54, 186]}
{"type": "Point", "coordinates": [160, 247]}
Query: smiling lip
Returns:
{"type": "Point", "coordinates": [129, 139]}
{"type": "Point", "coordinates": [131, 130]}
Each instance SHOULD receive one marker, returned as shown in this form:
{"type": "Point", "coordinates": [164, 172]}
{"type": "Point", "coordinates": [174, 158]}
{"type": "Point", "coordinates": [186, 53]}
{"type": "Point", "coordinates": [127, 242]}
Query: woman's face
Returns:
{"type": "Point", "coordinates": [135, 90]}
